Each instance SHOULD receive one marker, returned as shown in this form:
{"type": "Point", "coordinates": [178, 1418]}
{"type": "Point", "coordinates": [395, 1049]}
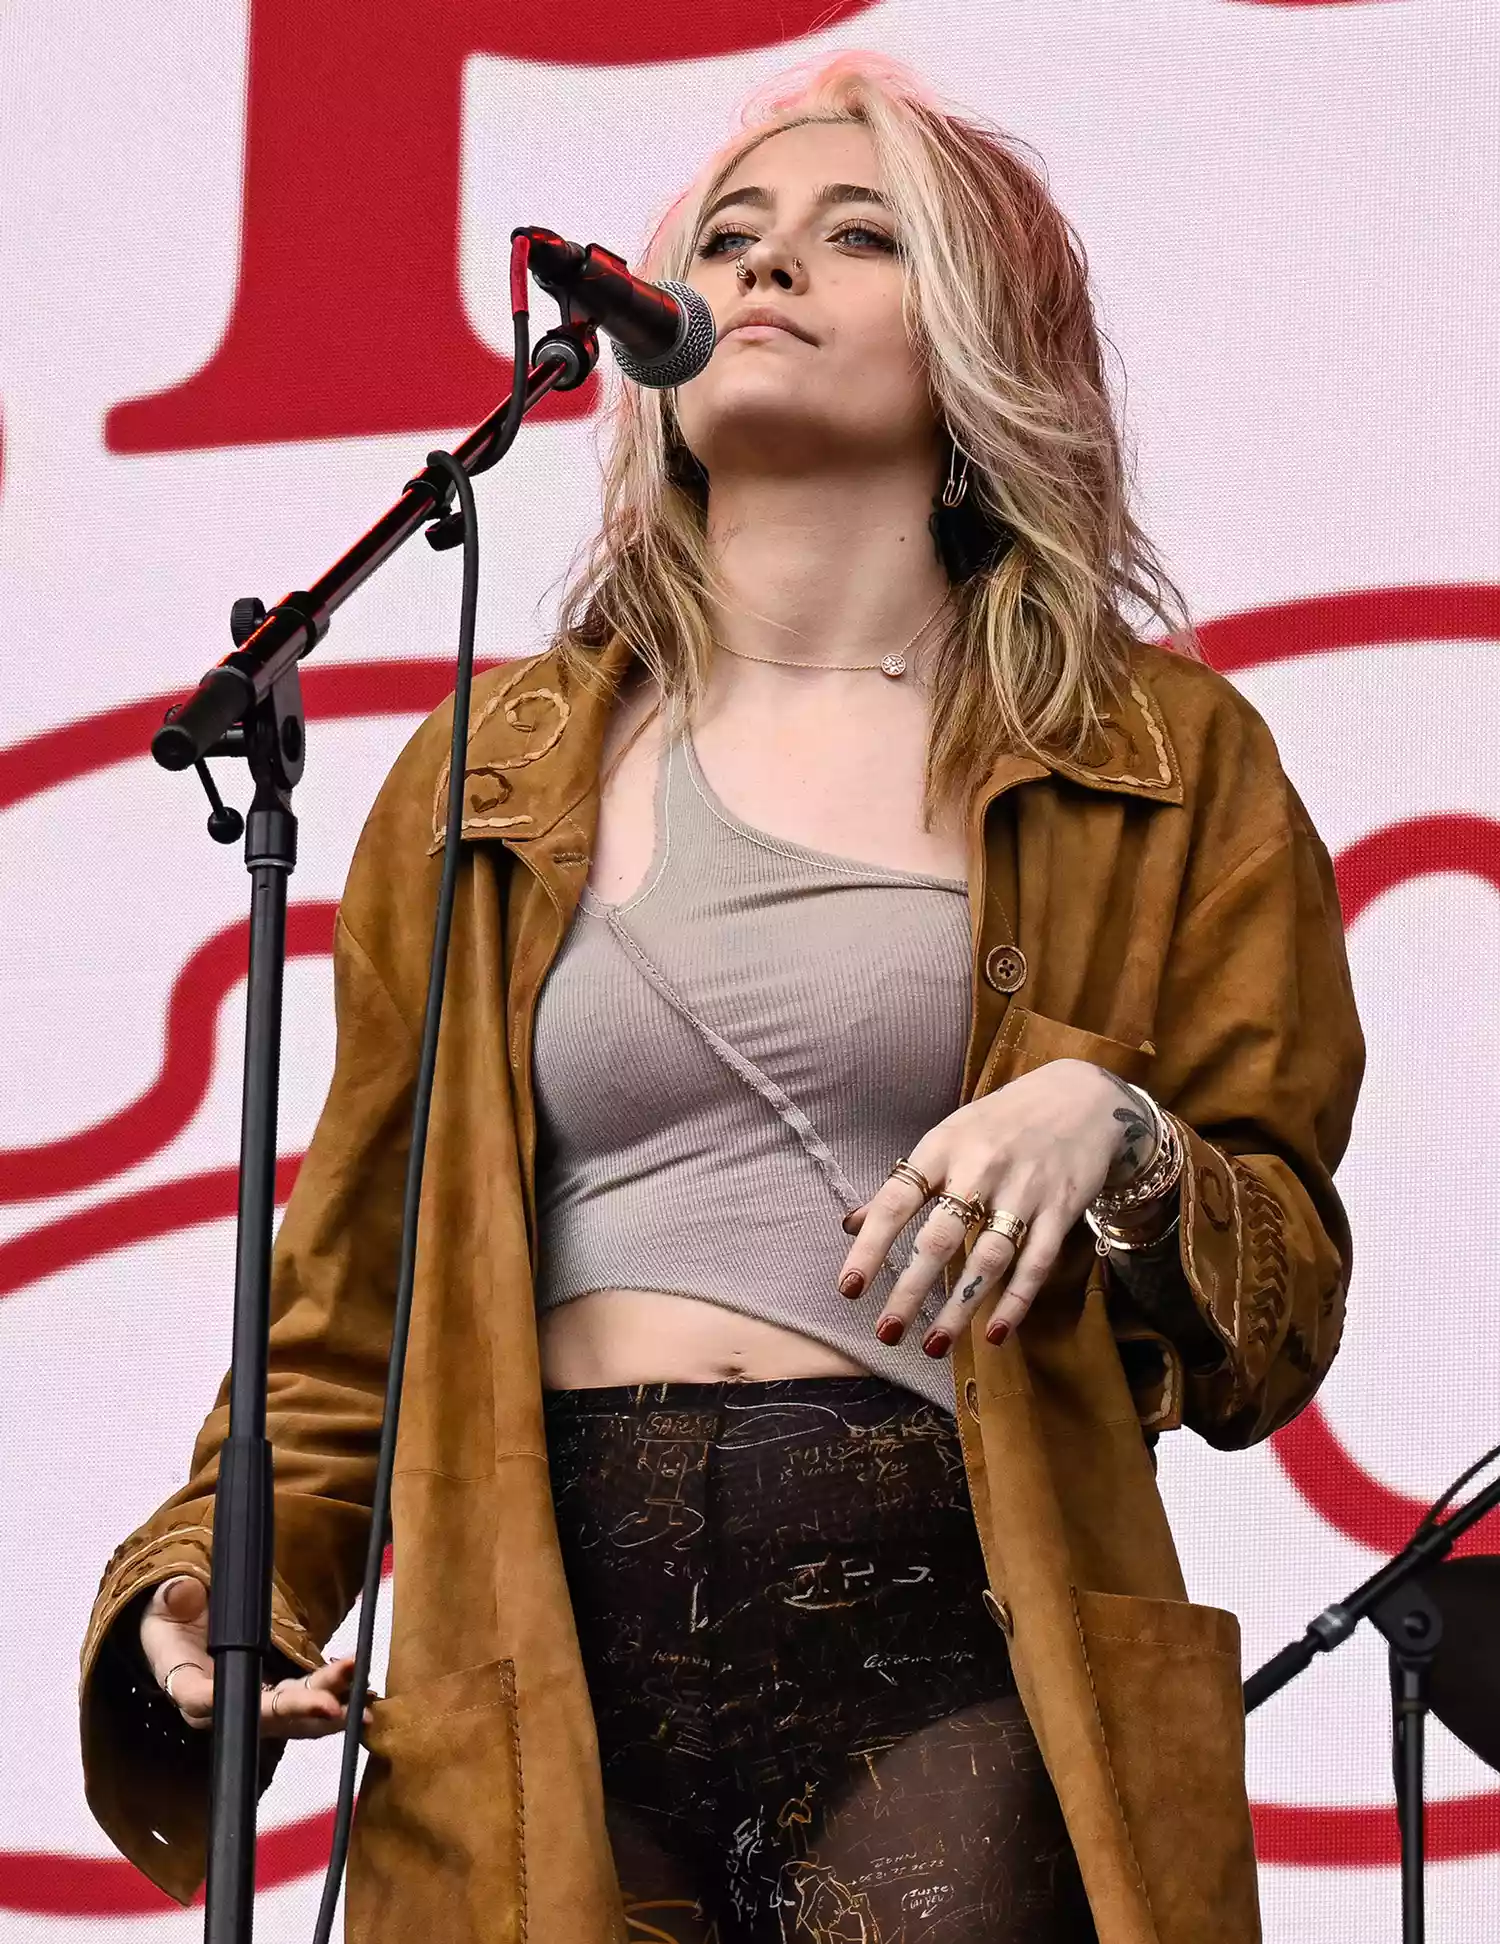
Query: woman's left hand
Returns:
{"type": "Point", "coordinates": [1041, 1148]}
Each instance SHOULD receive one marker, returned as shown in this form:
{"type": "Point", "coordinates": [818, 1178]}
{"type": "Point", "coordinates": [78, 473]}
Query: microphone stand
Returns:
{"type": "Point", "coordinates": [1396, 1603]}
{"type": "Point", "coordinates": [250, 706]}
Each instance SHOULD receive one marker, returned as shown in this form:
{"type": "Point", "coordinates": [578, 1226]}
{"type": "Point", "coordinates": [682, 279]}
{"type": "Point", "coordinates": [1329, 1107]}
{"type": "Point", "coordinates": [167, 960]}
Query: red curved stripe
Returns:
{"type": "Point", "coordinates": [1338, 1489]}
{"type": "Point", "coordinates": [159, 1115]}
{"type": "Point", "coordinates": [1369, 1839]}
{"type": "Point", "coordinates": [35, 1882]}
{"type": "Point", "coordinates": [40, 1884]}
{"type": "Point", "coordinates": [1418, 847]}
{"type": "Point", "coordinates": [142, 1216]}
{"type": "Point", "coordinates": [332, 691]}
{"type": "Point", "coordinates": [1355, 1504]}
{"type": "Point", "coordinates": [1342, 1492]}
{"type": "Point", "coordinates": [336, 691]}
{"type": "Point", "coordinates": [1314, 3]}
{"type": "Point", "coordinates": [1362, 618]}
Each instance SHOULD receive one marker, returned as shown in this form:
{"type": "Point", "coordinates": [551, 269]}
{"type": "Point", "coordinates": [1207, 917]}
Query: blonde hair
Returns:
{"type": "Point", "coordinates": [997, 300]}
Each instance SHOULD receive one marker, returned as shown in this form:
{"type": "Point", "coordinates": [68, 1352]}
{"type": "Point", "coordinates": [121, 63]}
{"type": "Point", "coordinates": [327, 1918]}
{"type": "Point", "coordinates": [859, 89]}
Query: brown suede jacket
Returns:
{"type": "Point", "coordinates": [1164, 909]}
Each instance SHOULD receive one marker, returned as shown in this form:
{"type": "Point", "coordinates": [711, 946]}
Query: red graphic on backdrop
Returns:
{"type": "Point", "coordinates": [349, 317]}
{"type": "Point", "coordinates": [1327, 1476]}
{"type": "Point", "coordinates": [138, 1131]}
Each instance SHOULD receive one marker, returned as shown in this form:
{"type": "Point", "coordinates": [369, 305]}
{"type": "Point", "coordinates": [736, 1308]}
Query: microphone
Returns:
{"type": "Point", "coordinates": [662, 333]}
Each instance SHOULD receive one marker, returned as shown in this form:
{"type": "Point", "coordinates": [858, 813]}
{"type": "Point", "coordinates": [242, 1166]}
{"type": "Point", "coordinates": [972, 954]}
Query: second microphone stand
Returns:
{"type": "Point", "coordinates": [1400, 1607]}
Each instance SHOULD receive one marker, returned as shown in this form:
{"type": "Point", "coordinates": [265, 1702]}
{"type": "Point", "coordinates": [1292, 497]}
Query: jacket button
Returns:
{"type": "Point", "coordinates": [999, 1612]}
{"type": "Point", "coordinates": [1005, 968]}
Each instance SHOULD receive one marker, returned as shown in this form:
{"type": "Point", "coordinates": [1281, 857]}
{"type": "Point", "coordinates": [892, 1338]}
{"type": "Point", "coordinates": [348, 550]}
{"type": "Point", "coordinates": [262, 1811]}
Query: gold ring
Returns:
{"type": "Point", "coordinates": [167, 1681]}
{"type": "Point", "coordinates": [904, 1171]}
{"type": "Point", "coordinates": [275, 1696]}
{"type": "Point", "coordinates": [969, 1207]}
{"type": "Point", "coordinates": [1014, 1228]}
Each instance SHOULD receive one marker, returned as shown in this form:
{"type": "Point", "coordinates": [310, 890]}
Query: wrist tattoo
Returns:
{"type": "Point", "coordinates": [1139, 1143]}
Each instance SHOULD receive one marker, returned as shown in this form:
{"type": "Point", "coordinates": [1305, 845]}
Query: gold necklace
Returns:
{"type": "Point", "coordinates": [892, 665]}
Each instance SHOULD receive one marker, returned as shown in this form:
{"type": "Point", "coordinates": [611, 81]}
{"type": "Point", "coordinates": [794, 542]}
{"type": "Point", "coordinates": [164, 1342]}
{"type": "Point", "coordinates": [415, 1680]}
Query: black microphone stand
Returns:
{"type": "Point", "coordinates": [1398, 1605]}
{"type": "Point", "coordinates": [250, 705]}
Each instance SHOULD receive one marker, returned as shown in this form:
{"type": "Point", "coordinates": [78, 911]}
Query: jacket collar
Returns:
{"type": "Point", "coordinates": [535, 739]}
{"type": "Point", "coordinates": [1132, 755]}
{"type": "Point", "coordinates": [534, 744]}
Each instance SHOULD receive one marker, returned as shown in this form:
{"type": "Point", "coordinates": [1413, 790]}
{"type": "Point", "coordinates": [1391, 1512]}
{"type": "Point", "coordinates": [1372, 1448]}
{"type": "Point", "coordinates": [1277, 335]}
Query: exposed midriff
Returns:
{"type": "Point", "coordinates": [636, 1336]}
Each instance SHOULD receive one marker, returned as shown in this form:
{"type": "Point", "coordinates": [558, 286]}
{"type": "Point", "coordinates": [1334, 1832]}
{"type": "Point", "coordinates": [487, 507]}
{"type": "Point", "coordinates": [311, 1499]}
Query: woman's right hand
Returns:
{"type": "Point", "coordinates": [174, 1634]}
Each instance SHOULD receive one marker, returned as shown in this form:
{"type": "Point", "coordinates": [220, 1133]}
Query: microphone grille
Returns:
{"type": "Point", "coordinates": [687, 357]}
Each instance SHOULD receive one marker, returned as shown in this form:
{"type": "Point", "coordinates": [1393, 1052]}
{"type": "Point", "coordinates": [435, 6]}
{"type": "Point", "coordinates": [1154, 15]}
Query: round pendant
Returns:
{"type": "Point", "coordinates": [893, 665]}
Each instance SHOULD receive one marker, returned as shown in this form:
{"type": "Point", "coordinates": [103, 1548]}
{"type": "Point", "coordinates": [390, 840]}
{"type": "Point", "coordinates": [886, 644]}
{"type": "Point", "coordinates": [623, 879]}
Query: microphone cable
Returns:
{"type": "Point", "coordinates": [422, 1102]}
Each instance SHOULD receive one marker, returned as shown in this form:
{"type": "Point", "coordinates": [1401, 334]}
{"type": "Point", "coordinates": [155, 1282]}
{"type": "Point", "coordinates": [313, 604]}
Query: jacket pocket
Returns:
{"type": "Point", "coordinates": [436, 1850]}
{"type": "Point", "coordinates": [1027, 1040]}
{"type": "Point", "coordinates": [1166, 1680]}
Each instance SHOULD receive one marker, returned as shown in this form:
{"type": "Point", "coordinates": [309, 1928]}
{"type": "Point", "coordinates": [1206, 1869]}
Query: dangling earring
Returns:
{"type": "Point", "coordinates": [958, 484]}
{"type": "Point", "coordinates": [968, 537]}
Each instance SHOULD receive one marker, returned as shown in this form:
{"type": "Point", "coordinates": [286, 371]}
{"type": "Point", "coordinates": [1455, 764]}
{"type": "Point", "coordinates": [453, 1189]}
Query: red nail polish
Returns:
{"type": "Point", "coordinates": [997, 1333]}
{"type": "Point", "coordinates": [849, 1224]}
{"type": "Point", "coordinates": [936, 1342]}
{"type": "Point", "coordinates": [889, 1329]}
{"type": "Point", "coordinates": [852, 1284]}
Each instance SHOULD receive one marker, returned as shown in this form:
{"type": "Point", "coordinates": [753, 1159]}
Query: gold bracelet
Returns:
{"type": "Point", "coordinates": [1155, 1180]}
{"type": "Point", "coordinates": [1107, 1239]}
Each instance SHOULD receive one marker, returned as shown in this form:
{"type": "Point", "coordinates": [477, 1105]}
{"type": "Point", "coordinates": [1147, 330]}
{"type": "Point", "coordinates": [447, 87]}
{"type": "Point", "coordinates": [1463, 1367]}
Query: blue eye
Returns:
{"type": "Point", "coordinates": [878, 237]}
{"type": "Point", "coordinates": [710, 246]}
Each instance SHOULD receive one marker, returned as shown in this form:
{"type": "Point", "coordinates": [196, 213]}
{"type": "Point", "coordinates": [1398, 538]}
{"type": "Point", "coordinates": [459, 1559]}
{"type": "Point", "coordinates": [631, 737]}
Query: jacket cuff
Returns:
{"type": "Point", "coordinates": [145, 1562]}
{"type": "Point", "coordinates": [1234, 1257]}
{"type": "Point", "coordinates": [1154, 1371]}
{"type": "Point", "coordinates": [146, 1772]}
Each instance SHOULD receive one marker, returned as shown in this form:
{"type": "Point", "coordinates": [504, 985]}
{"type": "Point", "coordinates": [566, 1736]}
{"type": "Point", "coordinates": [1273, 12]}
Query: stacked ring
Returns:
{"type": "Point", "coordinates": [1015, 1228]}
{"type": "Point", "coordinates": [969, 1207]}
{"type": "Point", "coordinates": [904, 1171]}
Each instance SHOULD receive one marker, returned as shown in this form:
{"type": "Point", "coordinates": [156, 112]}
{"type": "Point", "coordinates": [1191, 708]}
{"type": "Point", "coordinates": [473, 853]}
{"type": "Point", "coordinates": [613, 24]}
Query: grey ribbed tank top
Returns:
{"type": "Point", "coordinates": [729, 1060]}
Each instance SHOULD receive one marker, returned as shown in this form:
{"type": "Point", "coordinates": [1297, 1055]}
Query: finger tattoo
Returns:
{"type": "Point", "coordinates": [970, 1289]}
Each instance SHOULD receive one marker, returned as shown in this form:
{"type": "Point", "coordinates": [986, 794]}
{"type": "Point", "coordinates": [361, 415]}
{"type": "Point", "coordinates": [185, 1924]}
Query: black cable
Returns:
{"type": "Point", "coordinates": [1335, 1623]}
{"type": "Point", "coordinates": [421, 1108]}
{"type": "Point", "coordinates": [1439, 1506]}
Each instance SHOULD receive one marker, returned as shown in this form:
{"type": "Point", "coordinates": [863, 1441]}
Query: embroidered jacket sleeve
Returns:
{"type": "Point", "coordinates": [1259, 1060]}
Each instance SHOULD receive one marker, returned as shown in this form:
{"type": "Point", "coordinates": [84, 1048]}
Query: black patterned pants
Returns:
{"type": "Point", "coordinates": [807, 1722]}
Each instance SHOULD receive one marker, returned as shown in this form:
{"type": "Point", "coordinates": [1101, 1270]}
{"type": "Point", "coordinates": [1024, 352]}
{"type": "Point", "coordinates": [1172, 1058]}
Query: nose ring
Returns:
{"type": "Point", "coordinates": [746, 275]}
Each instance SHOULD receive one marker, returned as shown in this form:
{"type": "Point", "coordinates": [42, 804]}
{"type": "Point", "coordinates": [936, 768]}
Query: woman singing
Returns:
{"type": "Point", "coordinates": [898, 1043]}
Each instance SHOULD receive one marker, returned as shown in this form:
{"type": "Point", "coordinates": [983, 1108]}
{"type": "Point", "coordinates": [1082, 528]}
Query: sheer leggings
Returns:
{"type": "Point", "coordinates": [807, 1721]}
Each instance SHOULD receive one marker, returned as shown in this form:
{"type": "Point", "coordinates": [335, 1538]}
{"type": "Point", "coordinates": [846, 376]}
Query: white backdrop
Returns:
{"type": "Point", "coordinates": [228, 334]}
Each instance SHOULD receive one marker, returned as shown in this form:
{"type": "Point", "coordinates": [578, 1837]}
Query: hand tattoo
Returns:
{"type": "Point", "coordinates": [1138, 1128]}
